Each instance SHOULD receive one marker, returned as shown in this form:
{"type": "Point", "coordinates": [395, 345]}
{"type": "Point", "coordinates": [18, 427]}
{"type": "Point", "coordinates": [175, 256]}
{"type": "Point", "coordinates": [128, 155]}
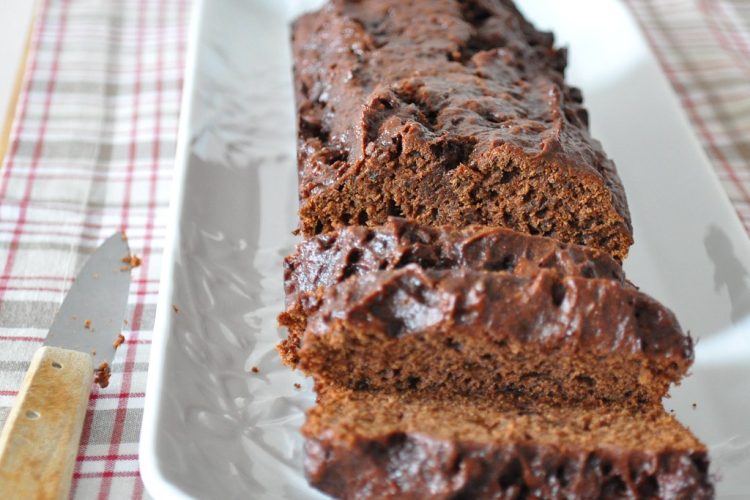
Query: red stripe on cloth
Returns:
{"type": "Point", "coordinates": [691, 108]}
{"type": "Point", "coordinates": [85, 437]}
{"type": "Point", "coordinates": [10, 288]}
{"type": "Point", "coordinates": [22, 338]}
{"type": "Point", "coordinates": [37, 153]}
{"type": "Point", "coordinates": [132, 149]}
{"type": "Point", "coordinates": [117, 395]}
{"type": "Point", "coordinates": [138, 487]}
{"type": "Point", "coordinates": [99, 458]}
{"type": "Point", "coordinates": [10, 277]}
{"type": "Point", "coordinates": [26, 338]}
{"type": "Point", "coordinates": [130, 350]}
{"type": "Point", "coordinates": [153, 181]}
{"type": "Point", "coordinates": [67, 279]}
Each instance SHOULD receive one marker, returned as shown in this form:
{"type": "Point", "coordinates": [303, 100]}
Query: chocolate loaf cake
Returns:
{"type": "Point", "coordinates": [459, 298]}
{"type": "Point", "coordinates": [366, 445]}
{"type": "Point", "coordinates": [447, 112]}
{"type": "Point", "coordinates": [330, 258]}
{"type": "Point", "coordinates": [492, 334]}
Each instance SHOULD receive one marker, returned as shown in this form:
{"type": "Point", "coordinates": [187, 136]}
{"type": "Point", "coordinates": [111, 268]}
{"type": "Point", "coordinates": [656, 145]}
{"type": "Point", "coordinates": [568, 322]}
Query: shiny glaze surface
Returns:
{"type": "Point", "coordinates": [561, 312]}
{"type": "Point", "coordinates": [415, 466]}
{"type": "Point", "coordinates": [327, 259]}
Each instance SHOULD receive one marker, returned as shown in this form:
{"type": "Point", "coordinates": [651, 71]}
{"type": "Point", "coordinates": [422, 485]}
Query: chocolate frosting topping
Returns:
{"type": "Point", "coordinates": [565, 312]}
{"type": "Point", "coordinates": [414, 466]}
{"type": "Point", "coordinates": [330, 258]}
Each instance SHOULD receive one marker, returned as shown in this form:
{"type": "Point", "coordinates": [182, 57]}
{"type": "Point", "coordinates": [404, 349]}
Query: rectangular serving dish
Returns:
{"type": "Point", "coordinates": [213, 428]}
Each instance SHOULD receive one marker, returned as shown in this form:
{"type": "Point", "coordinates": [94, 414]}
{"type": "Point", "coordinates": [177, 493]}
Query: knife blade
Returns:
{"type": "Point", "coordinates": [90, 318]}
{"type": "Point", "coordinates": [39, 443]}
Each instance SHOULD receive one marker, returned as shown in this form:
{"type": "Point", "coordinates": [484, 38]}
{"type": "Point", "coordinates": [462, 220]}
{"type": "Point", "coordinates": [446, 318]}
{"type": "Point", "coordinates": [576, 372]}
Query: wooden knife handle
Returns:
{"type": "Point", "coordinates": [39, 443]}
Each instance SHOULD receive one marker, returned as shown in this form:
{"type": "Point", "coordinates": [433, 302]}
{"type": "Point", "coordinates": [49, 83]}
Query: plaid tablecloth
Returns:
{"type": "Point", "coordinates": [91, 152]}
{"type": "Point", "coordinates": [704, 48]}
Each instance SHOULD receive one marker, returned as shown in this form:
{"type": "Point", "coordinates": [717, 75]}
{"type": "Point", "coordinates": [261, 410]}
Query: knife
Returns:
{"type": "Point", "coordinates": [39, 443]}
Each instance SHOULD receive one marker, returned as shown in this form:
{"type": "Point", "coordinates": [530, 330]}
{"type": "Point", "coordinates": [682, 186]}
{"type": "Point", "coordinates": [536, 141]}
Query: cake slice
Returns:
{"type": "Point", "coordinates": [368, 445]}
{"type": "Point", "coordinates": [484, 333]}
{"type": "Point", "coordinates": [447, 112]}
{"type": "Point", "coordinates": [330, 258]}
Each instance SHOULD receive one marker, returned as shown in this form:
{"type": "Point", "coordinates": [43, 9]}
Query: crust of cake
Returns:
{"type": "Point", "coordinates": [494, 334]}
{"type": "Point", "coordinates": [447, 112]}
{"type": "Point", "coordinates": [330, 258]}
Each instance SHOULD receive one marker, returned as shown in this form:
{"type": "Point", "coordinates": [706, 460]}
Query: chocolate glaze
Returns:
{"type": "Point", "coordinates": [330, 258]}
{"type": "Point", "coordinates": [416, 466]}
{"type": "Point", "coordinates": [324, 260]}
{"type": "Point", "coordinates": [453, 82]}
{"type": "Point", "coordinates": [480, 66]}
{"type": "Point", "coordinates": [558, 312]}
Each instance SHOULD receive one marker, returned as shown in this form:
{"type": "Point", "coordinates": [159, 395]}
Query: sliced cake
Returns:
{"type": "Point", "coordinates": [330, 258]}
{"type": "Point", "coordinates": [369, 445]}
{"type": "Point", "coordinates": [447, 112]}
{"type": "Point", "coordinates": [546, 337]}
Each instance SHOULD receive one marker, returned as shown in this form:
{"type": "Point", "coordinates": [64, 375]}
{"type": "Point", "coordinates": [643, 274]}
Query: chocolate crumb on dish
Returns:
{"type": "Point", "coordinates": [102, 374]}
{"type": "Point", "coordinates": [132, 261]}
{"type": "Point", "coordinates": [118, 341]}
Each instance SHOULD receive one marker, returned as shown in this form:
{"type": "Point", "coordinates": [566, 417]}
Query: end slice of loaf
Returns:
{"type": "Point", "coordinates": [447, 112]}
{"type": "Point", "coordinates": [485, 333]}
{"type": "Point", "coordinates": [370, 445]}
{"type": "Point", "coordinates": [330, 258]}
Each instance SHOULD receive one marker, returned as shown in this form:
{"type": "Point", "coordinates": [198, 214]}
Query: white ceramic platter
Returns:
{"type": "Point", "coordinates": [213, 429]}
